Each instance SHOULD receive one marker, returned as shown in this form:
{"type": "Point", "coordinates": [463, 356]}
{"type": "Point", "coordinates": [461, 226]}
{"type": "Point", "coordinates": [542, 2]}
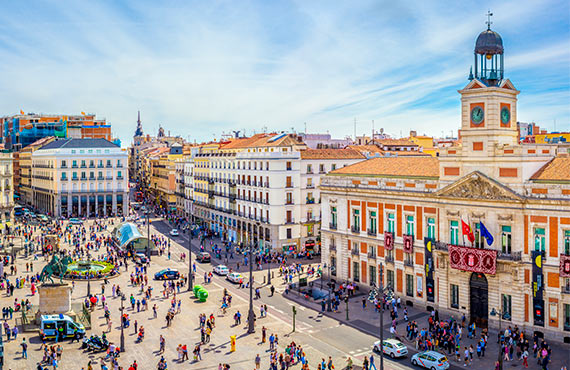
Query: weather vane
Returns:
{"type": "Point", "coordinates": [489, 23]}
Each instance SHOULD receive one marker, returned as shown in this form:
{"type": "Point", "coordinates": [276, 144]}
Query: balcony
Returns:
{"type": "Point", "coordinates": [514, 256]}
{"type": "Point", "coordinates": [371, 232]}
{"type": "Point", "coordinates": [63, 179]}
{"type": "Point", "coordinates": [290, 185]}
{"type": "Point", "coordinates": [62, 166]}
{"type": "Point", "coordinates": [83, 166]}
{"type": "Point", "coordinates": [371, 256]}
{"type": "Point", "coordinates": [75, 178]}
{"type": "Point", "coordinates": [289, 201]}
{"type": "Point", "coordinates": [120, 177]}
{"type": "Point", "coordinates": [119, 165]}
{"type": "Point", "coordinates": [289, 221]}
{"type": "Point", "coordinates": [389, 259]}
{"type": "Point", "coordinates": [310, 186]}
{"type": "Point", "coordinates": [332, 248]}
{"type": "Point", "coordinates": [109, 165]}
{"type": "Point", "coordinates": [566, 289]}
{"type": "Point", "coordinates": [354, 252]}
{"type": "Point", "coordinates": [266, 184]}
{"type": "Point", "coordinates": [74, 166]}
{"type": "Point", "coordinates": [355, 229]}
{"type": "Point", "coordinates": [100, 165]}
{"type": "Point", "coordinates": [310, 200]}
{"type": "Point", "coordinates": [332, 225]}
{"type": "Point", "coordinates": [409, 263]}
{"type": "Point", "coordinates": [91, 166]}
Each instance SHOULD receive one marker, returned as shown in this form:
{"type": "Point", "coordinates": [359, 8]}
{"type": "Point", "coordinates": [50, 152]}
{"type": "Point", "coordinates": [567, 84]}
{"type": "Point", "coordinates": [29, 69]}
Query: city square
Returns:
{"type": "Point", "coordinates": [285, 185]}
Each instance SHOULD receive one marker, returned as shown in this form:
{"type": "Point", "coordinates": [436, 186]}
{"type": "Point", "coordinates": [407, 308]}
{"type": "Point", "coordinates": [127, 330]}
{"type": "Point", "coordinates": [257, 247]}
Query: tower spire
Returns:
{"type": "Point", "coordinates": [139, 130]}
{"type": "Point", "coordinates": [489, 23]}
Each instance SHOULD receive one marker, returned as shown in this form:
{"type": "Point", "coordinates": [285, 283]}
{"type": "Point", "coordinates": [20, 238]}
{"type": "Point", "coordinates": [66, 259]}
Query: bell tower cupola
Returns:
{"type": "Point", "coordinates": [489, 62]}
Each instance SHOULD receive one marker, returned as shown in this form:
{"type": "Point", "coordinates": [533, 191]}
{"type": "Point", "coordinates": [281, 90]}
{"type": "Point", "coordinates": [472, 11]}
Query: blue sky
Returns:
{"type": "Point", "coordinates": [200, 68]}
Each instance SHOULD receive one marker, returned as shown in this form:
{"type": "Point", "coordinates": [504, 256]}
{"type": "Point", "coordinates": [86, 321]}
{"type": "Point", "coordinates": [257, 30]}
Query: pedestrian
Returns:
{"type": "Point", "coordinates": [257, 361]}
{"type": "Point", "coordinates": [24, 345]}
{"type": "Point", "coordinates": [372, 363]}
{"type": "Point", "coordinates": [525, 358]}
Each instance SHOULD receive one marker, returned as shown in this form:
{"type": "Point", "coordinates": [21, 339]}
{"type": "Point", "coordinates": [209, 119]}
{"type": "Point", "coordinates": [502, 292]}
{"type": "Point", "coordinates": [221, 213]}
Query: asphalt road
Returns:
{"type": "Point", "coordinates": [319, 332]}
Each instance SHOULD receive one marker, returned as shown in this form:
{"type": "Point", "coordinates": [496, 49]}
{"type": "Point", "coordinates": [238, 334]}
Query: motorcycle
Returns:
{"type": "Point", "coordinates": [95, 343]}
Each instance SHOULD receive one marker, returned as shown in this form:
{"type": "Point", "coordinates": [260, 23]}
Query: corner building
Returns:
{"type": "Point", "coordinates": [403, 216]}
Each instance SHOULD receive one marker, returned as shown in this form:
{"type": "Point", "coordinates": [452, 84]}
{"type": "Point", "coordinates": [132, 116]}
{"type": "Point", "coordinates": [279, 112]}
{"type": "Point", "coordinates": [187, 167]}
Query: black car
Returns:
{"type": "Point", "coordinates": [167, 274]}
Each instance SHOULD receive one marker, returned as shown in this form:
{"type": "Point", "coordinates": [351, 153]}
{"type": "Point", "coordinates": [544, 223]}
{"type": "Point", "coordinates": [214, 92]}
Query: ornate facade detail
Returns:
{"type": "Point", "coordinates": [478, 186]}
{"type": "Point", "coordinates": [505, 217]}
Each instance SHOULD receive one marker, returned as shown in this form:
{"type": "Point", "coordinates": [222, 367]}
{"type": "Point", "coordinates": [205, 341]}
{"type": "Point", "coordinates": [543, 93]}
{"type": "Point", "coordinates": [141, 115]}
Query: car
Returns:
{"type": "Point", "coordinates": [391, 347]}
{"type": "Point", "coordinates": [174, 232]}
{"type": "Point", "coordinates": [221, 270]}
{"type": "Point", "coordinates": [430, 360]}
{"type": "Point", "coordinates": [235, 277]}
{"type": "Point", "coordinates": [140, 259]}
{"type": "Point", "coordinates": [75, 221]}
{"type": "Point", "coordinates": [167, 274]}
{"type": "Point", "coordinates": [203, 257]}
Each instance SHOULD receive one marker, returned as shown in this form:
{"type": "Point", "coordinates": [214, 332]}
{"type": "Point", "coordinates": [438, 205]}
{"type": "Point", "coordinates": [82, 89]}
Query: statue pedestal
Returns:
{"type": "Point", "coordinates": [54, 299]}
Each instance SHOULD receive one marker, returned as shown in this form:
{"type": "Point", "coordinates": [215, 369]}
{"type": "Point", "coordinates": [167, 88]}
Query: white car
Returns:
{"type": "Point", "coordinates": [391, 347]}
{"type": "Point", "coordinates": [221, 270]}
{"type": "Point", "coordinates": [235, 277]}
{"type": "Point", "coordinates": [174, 232]}
{"type": "Point", "coordinates": [430, 360]}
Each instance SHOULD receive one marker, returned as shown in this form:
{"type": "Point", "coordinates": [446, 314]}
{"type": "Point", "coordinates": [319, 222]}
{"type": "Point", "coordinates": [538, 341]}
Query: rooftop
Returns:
{"type": "Point", "coordinates": [331, 154]}
{"type": "Point", "coordinates": [79, 143]}
{"type": "Point", "coordinates": [412, 167]}
{"type": "Point", "coordinates": [557, 170]}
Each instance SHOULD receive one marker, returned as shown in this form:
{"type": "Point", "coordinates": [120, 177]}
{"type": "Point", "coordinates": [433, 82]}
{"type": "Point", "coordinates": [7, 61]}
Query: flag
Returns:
{"type": "Point", "coordinates": [486, 234]}
{"type": "Point", "coordinates": [22, 112]}
{"type": "Point", "coordinates": [83, 113]}
{"type": "Point", "coordinates": [467, 231]}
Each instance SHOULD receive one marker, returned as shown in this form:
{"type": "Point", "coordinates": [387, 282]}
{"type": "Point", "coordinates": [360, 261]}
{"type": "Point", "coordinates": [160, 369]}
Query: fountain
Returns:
{"type": "Point", "coordinates": [97, 269]}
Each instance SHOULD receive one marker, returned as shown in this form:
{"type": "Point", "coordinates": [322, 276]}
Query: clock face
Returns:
{"type": "Point", "coordinates": [505, 115]}
{"type": "Point", "coordinates": [477, 115]}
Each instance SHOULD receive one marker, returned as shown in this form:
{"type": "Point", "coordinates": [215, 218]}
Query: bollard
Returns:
{"type": "Point", "coordinates": [232, 343]}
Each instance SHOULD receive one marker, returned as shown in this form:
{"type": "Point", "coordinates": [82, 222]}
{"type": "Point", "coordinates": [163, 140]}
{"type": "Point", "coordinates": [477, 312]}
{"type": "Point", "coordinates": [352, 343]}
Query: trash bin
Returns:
{"type": "Point", "coordinates": [202, 295]}
{"type": "Point", "coordinates": [232, 343]}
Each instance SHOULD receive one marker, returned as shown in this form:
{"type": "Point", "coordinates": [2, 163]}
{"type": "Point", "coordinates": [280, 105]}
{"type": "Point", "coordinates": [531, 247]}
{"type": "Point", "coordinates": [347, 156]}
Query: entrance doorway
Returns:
{"type": "Point", "coordinates": [479, 299]}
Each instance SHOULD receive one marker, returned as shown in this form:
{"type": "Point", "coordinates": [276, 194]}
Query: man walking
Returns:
{"type": "Point", "coordinates": [372, 363]}
{"type": "Point", "coordinates": [24, 348]}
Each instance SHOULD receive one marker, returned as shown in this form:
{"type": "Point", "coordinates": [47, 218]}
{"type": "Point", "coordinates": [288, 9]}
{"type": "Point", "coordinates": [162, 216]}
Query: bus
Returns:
{"type": "Point", "coordinates": [18, 211]}
{"type": "Point", "coordinates": [139, 196]}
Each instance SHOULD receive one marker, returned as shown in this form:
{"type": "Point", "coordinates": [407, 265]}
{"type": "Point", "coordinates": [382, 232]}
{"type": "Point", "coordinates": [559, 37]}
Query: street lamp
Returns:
{"type": "Point", "coordinates": [495, 312]}
{"type": "Point", "coordinates": [190, 275]}
{"type": "Point", "coordinates": [251, 314]}
{"type": "Point", "coordinates": [122, 325]}
{"type": "Point", "coordinates": [374, 293]}
{"type": "Point", "coordinates": [147, 211]}
{"type": "Point", "coordinates": [89, 280]}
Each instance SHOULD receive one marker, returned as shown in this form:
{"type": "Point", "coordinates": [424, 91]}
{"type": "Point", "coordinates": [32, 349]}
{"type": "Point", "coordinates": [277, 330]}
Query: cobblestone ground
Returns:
{"type": "Point", "coordinates": [184, 330]}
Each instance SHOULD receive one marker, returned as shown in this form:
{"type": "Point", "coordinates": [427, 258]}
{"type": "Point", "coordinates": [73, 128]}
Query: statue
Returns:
{"type": "Point", "coordinates": [57, 267]}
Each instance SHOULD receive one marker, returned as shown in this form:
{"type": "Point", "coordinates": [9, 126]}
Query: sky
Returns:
{"type": "Point", "coordinates": [203, 68]}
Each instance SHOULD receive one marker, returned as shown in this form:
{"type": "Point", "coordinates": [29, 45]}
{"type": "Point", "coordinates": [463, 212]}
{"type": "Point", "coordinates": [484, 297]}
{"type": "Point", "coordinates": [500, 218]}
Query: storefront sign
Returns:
{"type": "Point", "coordinates": [389, 240]}
{"type": "Point", "coordinates": [473, 259]}
{"type": "Point", "coordinates": [428, 252]}
{"type": "Point", "coordinates": [564, 265]}
{"type": "Point", "coordinates": [408, 243]}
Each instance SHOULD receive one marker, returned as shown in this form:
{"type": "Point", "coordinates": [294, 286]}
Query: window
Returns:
{"type": "Point", "coordinates": [539, 239]}
{"type": "Point", "coordinates": [566, 241]}
{"type": "Point", "coordinates": [506, 239]}
{"type": "Point", "coordinates": [288, 166]}
{"type": "Point", "coordinates": [83, 164]}
{"type": "Point", "coordinates": [289, 198]}
{"type": "Point", "coordinates": [409, 285]}
{"type": "Point", "coordinates": [289, 234]}
{"type": "Point", "coordinates": [74, 176]}
{"type": "Point", "coordinates": [266, 166]}
{"type": "Point", "coordinates": [410, 225]}
{"type": "Point", "coordinates": [431, 227]}
{"type": "Point", "coordinates": [356, 270]}
{"type": "Point", "coordinates": [309, 168]}
{"type": "Point", "coordinates": [333, 265]}
{"type": "Point", "coordinates": [355, 219]}
{"type": "Point", "coordinates": [108, 163]}
{"type": "Point", "coordinates": [310, 199]}
{"type": "Point", "coordinates": [119, 174]}
{"type": "Point", "coordinates": [477, 233]}
{"type": "Point", "coordinates": [372, 274]}
{"type": "Point", "coordinates": [454, 232]}
{"type": "Point", "coordinates": [390, 279]}
{"type": "Point", "coordinates": [333, 217]}
{"type": "Point", "coordinates": [373, 222]}
{"type": "Point", "coordinates": [91, 163]}
{"type": "Point", "coordinates": [288, 182]}
{"type": "Point", "coordinates": [74, 164]}
{"type": "Point", "coordinates": [454, 296]}
{"type": "Point", "coordinates": [321, 168]}
{"type": "Point", "coordinates": [63, 164]}
{"type": "Point", "coordinates": [310, 183]}
{"type": "Point", "coordinates": [506, 311]}
{"type": "Point", "coordinates": [333, 167]}
{"type": "Point", "coordinates": [83, 177]}
{"type": "Point", "coordinates": [64, 176]}
{"type": "Point", "coordinates": [567, 317]}
{"type": "Point", "coordinates": [390, 222]}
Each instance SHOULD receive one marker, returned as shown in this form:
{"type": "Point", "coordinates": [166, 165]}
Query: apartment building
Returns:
{"type": "Point", "coordinates": [24, 187]}
{"type": "Point", "coordinates": [480, 229]}
{"type": "Point", "coordinates": [80, 178]}
{"type": "Point", "coordinates": [257, 188]}
{"type": "Point", "coordinates": [6, 190]}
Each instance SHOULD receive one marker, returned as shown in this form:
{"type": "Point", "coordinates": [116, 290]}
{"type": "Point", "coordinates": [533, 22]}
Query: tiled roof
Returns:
{"type": "Point", "coordinates": [331, 154]}
{"type": "Point", "coordinates": [393, 167]}
{"type": "Point", "coordinates": [558, 169]}
{"type": "Point", "coordinates": [403, 142]}
{"type": "Point", "coordinates": [74, 143]}
{"type": "Point", "coordinates": [366, 148]}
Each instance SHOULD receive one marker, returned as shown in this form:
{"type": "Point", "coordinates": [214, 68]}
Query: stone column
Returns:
{"type": "Point", "coordinates": [69, 203]}
{"type": "Point", "coordinates": [97, 204]}
{"type": "Point", "coordinates": [79, 205]}
{"type": "Point", "coordinates": [125, 204]}
{"type": "Point", "coordinates": [114, 204]}
{"type": "Point", "coordinates": [105, 205]}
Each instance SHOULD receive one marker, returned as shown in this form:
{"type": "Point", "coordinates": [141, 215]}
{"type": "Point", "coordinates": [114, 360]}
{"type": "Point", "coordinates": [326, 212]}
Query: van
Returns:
{"type": "Point", "coordinates": [50, 324]}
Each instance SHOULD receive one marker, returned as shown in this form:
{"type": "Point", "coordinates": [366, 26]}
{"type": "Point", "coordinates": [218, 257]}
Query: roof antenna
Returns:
{"type": "Point", "coordinates": [489, 23]}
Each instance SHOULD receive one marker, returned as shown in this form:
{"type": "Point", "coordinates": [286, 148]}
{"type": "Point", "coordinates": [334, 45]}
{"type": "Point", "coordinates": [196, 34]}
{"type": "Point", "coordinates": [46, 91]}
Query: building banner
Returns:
{"type": "Point", "coordinates": [537, 288]}
{"type": "Point", "coordinates": [473, 259]}
{"type": "Point", "coordinates": [389, 240]}
{"type": "Point", "coordinates": [428, 252]}
{"type": "Point", "coordinates": [408, 243]}
{"type": "Point", "coordinates": [564, 265]}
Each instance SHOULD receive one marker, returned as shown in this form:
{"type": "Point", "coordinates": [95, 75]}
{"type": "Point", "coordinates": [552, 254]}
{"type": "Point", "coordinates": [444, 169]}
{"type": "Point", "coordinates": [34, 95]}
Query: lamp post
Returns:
{"type": "Point", "coordinates": [251, 314]}
{"type": "Point", "coordinates": [495, 312]}
{"type": "Point", "coordinates": [374, 293]}
{"type": "Point", "coordinates": [89, 280]}
{"type": "Point", "coordinates": [122, 325]}
{"type": "Point", "coordinates": [147, 211]}
{"type": "Point", "coordinates": [190, 274]}
{"type": "Point", "coordinates": [329, 303]}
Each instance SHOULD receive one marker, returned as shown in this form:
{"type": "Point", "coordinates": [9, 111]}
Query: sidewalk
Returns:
{"type": "Point", "coordinates": [368, 321]}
